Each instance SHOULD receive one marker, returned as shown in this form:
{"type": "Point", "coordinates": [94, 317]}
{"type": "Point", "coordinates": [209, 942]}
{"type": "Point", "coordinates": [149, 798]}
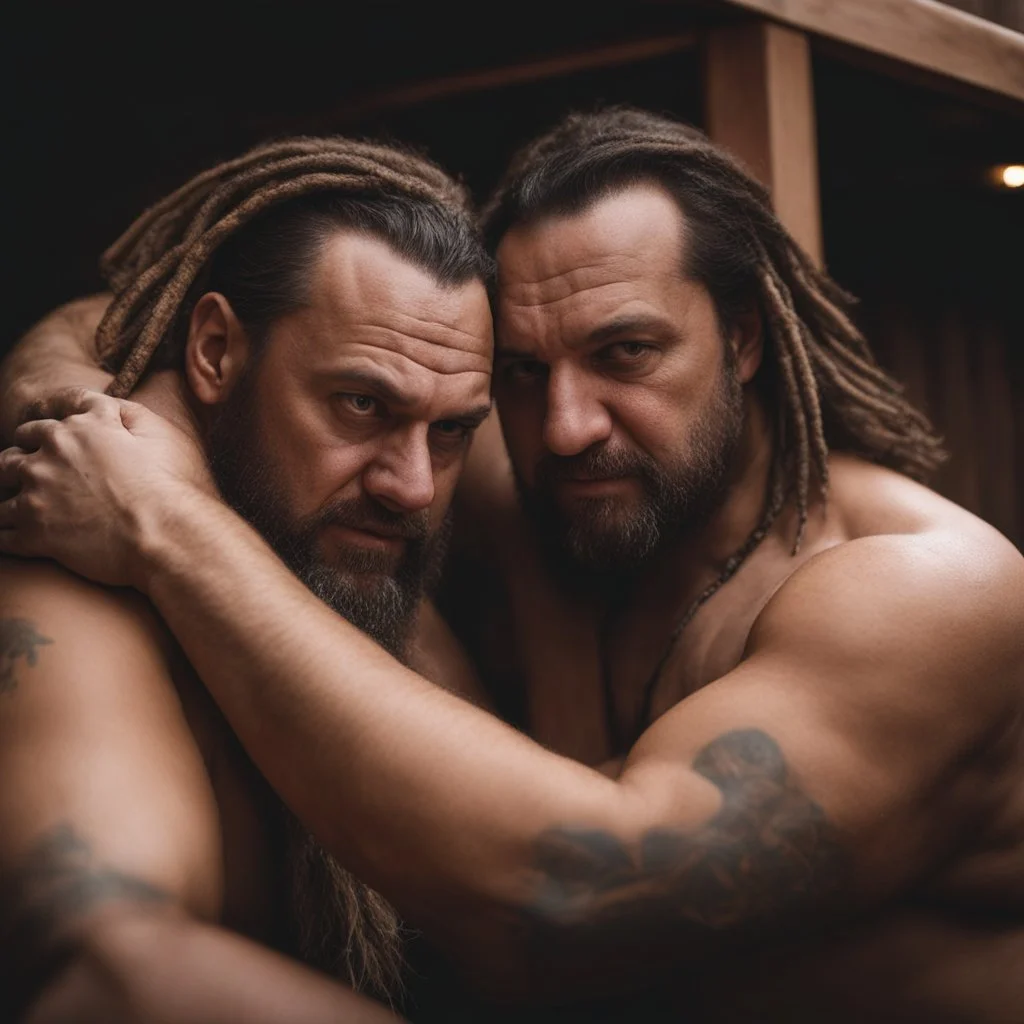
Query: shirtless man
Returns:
{"type": "Point", "coordinates": [809, 712]}
{"type": "Point", "coordinates": [136, 839]}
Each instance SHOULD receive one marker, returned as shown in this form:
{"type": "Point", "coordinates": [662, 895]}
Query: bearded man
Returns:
{"type": "Point", "coordinates": [773, 685]}
{"type": "Point", "coordinates": [266, 301]}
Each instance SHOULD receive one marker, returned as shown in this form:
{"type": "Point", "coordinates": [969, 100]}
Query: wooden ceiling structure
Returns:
{"type": "Point", "coordinates": [757, 76]}
{"type": "Point", "coordinates": [759, 91]}
{"type": "Point", "coordinates": [874, 122]}
{"type": "Point", "coordinates": [109, 115]}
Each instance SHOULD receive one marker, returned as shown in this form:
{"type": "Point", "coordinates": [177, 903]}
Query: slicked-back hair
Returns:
{"type": "Point", "coordinates": [822, 382]}
{"type": "Point", "coordinates": [253, 229]}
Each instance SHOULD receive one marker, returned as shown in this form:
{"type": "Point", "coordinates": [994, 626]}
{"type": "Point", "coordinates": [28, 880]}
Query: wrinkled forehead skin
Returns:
{"type": "Point", "coordinates": [371, 312]}
{"type": "Point", "coordinates": [618, 258]}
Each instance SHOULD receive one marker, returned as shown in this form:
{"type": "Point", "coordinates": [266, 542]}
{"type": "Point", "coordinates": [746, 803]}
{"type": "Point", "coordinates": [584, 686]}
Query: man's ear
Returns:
{"type": "Point", "coordinates": [217, 349]}
{"type": "Point", "coordinates": [747, 342]}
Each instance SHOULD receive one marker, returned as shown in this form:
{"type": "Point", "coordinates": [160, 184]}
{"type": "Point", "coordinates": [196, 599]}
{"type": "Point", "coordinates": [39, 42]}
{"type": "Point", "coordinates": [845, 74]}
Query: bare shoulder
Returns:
{"type": "Point", "coordinates": [81, 315]}
{"type": "Point", "coordinates": [67, 643]}
{"type": "Point", "coordinates": [933, 611]}
{"type": "Point", "coordinates": [85, 611]}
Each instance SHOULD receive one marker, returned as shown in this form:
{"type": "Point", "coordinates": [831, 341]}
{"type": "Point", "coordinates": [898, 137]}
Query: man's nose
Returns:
{"type": "Point", "coordinates": [401, 477]}
{"type": "Point", "coordinates": [575, 417]}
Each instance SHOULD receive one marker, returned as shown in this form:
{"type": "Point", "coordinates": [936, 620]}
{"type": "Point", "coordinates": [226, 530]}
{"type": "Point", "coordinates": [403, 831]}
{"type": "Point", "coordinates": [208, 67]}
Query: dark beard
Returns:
{"type": "Point", "coordinates": [363, 586]}
{"type": "Point", "coordinates": [336, 922]}
{"type": "Point", "coordinates": [605, 539]}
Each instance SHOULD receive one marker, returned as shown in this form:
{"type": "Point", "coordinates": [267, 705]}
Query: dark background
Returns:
{"type": "Point", "coordinates": [108, 111]}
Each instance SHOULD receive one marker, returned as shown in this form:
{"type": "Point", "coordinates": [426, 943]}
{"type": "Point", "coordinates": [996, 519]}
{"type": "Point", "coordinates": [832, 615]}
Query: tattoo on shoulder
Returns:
{"type": "Point", "coordinates": [19, 638]}
{"type": "Point", "coordinates": [58, 883]}
{"type": "Point", "coordinates": [765, 861]}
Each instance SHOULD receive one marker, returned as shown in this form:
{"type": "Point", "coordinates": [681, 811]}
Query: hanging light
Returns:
{"type": "Point", "coordinates": [1008, 175]}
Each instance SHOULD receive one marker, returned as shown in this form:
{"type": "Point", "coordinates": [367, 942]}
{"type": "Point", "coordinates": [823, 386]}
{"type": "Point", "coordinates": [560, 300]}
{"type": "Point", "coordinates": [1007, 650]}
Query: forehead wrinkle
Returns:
{"type": "Point", "coordinates": [473, 340]}
{"type": "Point", "coordinates": [377, 357]}
{"type": "Point", "coordinates": [412, 386]}
{"type": "Point", "coordinates": [567, 282]}
{"type": "Point", "coordinates": [433, 354]}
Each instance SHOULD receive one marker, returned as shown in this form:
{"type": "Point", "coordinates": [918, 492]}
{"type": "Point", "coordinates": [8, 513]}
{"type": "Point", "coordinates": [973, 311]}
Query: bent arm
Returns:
{"type": "Point", "coordinates": [813, 779]}
{"type": "Point", "coordinates": [755, 807]}
{"type": "Point", "coordinates": [58, 352]}
{"type": "Point", "coordinates": [110, 859]}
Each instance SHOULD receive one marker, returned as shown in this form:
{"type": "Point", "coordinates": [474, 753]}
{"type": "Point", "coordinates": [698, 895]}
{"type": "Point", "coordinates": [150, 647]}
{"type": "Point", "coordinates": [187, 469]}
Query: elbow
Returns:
{"type": "Point", "coordinates": [103, 972]}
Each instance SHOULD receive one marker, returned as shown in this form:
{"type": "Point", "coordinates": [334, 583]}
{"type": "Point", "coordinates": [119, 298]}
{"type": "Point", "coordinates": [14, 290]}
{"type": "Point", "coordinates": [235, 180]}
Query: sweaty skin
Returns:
{"type": "Point", "coordinates": [137, 838]}
{"type": "Point", "coordinates": [835, 749]}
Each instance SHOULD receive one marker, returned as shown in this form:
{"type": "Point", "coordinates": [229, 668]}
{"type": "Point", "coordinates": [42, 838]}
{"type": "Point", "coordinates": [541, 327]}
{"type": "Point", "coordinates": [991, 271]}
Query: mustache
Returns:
{"type": "Point", "coordinates": [364, 513]}
{"type": "Point", "coordinates": [593, 464]}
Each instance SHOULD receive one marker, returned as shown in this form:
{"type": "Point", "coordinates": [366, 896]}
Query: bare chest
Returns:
{"type": "Point", "coordinates": [592, 675]}
{"type": "Point", "coordinates": [912, 966]}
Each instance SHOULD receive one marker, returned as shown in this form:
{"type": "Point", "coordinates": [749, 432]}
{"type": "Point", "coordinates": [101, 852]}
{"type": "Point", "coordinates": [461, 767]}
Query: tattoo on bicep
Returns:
{"type": "Point", "coordinates": [764, 862]}
{"type": "Point", "coordinates": [60, 882]}
{"type": "Point", "coordinates": [19, 638]}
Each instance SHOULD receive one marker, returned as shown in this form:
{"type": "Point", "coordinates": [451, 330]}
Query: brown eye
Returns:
{"type": "Point", "coordinates": [364, 405]}
{"type": "Point", "coordinates": [450, 435]}
{"type": "Point", "coordinates": [626, 357]}
{"type": "Point", "coordinates": [525, 371]}
{"type": "Point", "coordinates": [629, 349]}
{"type": "Point", "coordinates": [451, 428]}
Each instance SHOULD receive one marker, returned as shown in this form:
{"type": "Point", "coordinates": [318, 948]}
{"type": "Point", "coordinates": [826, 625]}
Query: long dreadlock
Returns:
{"type": "Point", "coordinates": [228, 224]}
{"type": "Point", "coordinates": [825, 388]}
{"type": "Point", "coordinates": [153, 265]}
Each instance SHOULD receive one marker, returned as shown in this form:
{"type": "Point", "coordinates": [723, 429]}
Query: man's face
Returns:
{"type": "Point", "coordinates": [619, 399]}
{"type": "Point", "coordinates": [344, 441]}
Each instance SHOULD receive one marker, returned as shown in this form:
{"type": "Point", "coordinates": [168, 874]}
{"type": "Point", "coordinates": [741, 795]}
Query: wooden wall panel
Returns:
{"type": "Point", "coordinates": [964, 364]}
{"type": "Point", "coordinates": [759, 104]}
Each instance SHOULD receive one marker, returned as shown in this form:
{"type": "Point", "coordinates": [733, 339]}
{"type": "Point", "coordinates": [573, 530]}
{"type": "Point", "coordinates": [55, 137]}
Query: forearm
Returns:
{"type": "Point", "coordinates": [374, 759]}
{"type": "Point", "coordinates": [59, 351]}
{"type": "Point", "coordinates": [138, 969]}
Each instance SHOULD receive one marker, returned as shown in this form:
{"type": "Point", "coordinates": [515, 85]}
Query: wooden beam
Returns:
{"type": "Point", "coordinates": [537, 70]}
{"type": "Point", "coordinates": [931, 36]}
{"type": "Point", "coordinates": [759, 98]}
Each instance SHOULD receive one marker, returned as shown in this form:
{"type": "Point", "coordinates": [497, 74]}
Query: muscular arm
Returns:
{"type": "Point", "coordinates": [110, 860]}
{"type": "Point", "coordinates": [59, 351]}
{"type": "Point", "coordinates": [801, 785]}
{"type": "Point", "coordinates": [814, 779]}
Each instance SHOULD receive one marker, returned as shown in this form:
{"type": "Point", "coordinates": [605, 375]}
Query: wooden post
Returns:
{"type": "Point", "coordinates": [759, 101]}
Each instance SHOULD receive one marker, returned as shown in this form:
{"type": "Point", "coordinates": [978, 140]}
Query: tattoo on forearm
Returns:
{"type": "Point", "coordinates": [19, 638]}
{"type": "Point", "coordinates": [58, 883]}
{"type": "Point", "coordinates": [765, 860]}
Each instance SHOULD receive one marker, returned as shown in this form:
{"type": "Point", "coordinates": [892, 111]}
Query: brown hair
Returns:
{"type": "Point", "coordinates": [823, 383]}
{"type": "Point", "coordinates": [252, 228]}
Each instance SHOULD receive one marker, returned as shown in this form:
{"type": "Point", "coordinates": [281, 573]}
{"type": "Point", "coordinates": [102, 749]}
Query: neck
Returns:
{"type": "Point", "coordinates": [165, 393]}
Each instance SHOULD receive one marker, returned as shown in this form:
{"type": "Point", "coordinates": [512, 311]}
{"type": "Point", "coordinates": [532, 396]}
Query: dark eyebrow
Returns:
{"type": "Point", "coordinates": [386, 392]}
{"type": "Point", "coordinates": [380, 386]}
{"type": "Point", "coordinates": [638, 324]}
{"type": "Point", "coordinates": [472, 417]}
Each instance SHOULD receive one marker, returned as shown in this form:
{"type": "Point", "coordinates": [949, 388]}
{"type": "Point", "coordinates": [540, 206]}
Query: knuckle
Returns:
{"type": "Point", "coordinates": [59, 439]}
{"type": "Point", "coordinates": [30, 505]}
{"type": "Point", "coordinates": [35, 410]}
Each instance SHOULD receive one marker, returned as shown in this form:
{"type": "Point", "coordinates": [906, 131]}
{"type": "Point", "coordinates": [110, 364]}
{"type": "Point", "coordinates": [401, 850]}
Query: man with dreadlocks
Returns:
{"type": "Point", "coordinates": [264, 301]}
{"type": "Point", "coordinates": [774, 685]}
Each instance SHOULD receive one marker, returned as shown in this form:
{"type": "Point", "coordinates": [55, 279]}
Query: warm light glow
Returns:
{"type": "Point", "coordinates": [1013, 175]}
